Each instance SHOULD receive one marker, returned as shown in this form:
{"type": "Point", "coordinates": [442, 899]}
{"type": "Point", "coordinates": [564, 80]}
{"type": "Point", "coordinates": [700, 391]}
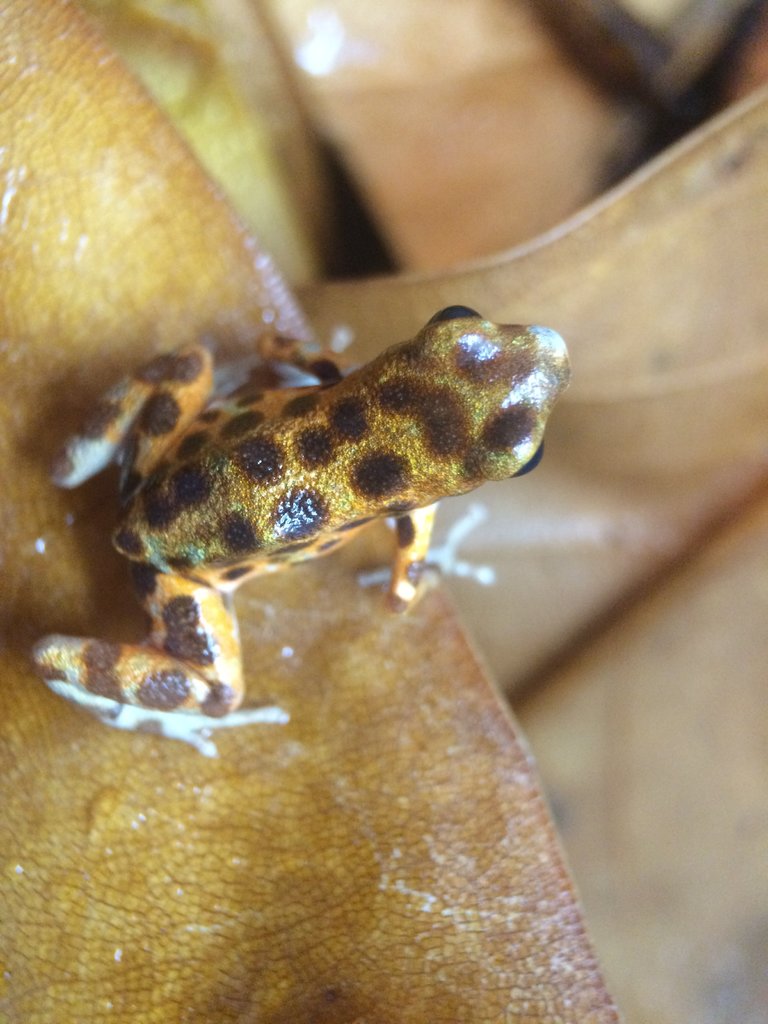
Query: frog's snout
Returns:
{"type": "Point", "coordinates": [553, 353]}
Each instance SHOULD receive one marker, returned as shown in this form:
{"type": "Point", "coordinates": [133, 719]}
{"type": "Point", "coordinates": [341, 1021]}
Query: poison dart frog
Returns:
{"type": "Point", "coordinates": [215, 490]}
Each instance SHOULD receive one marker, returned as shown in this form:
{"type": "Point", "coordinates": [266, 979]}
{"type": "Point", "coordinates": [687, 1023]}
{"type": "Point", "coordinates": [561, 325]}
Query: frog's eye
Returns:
{"type": "Point", "coordinates": [532, 463]}
{"type": "Point", "coordinates": [452, 313]}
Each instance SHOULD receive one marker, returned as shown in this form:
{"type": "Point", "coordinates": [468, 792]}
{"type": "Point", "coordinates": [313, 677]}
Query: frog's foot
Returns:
{"type": "Point", "coordinates": [80, 671]}
{"type": "Point", "coordinates": [140, 675]}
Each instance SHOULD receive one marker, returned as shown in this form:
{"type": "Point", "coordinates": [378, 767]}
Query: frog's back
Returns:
{"type": "Point", "coordinates": [287, 473]}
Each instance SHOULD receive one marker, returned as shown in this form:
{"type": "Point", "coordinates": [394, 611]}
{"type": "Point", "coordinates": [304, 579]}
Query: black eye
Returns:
{"type": "Point", "coordinates": [452, 313]}
{"type": "Point", "coordinates": [532, 463]}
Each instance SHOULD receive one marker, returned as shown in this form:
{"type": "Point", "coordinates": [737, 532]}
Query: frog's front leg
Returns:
{"type": "Point", "coordinates": [139, 418]}
{"type": "Point", "coordinates": [413, 531]}
{"type": "Point", "coordinates": [189, 662]}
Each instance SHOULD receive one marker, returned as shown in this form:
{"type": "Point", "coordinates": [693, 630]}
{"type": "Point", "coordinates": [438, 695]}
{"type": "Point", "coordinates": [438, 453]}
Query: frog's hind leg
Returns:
{"type": "Point", "coordinates": [326, 366]}
{"type": "Point", "coordinates": [190, 661]}
{"type": "Point", "coordinates": [139, 418]}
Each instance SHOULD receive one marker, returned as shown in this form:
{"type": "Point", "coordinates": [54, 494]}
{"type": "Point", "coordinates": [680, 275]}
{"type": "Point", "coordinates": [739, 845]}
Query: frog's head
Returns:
{"type": "Point", "coordinates": [506, 379]}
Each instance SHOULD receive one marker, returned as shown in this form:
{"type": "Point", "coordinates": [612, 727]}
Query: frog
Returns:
{"type": "Point", "coordinates": [216, 489]}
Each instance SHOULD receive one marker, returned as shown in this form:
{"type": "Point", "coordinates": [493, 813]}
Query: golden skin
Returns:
{"type": "Point", "coordinates": [219, 489]}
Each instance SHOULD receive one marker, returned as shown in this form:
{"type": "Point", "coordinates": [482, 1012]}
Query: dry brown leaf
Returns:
{"type": "Point", "coordinates": [383, 857]}
{"type": "Point", "coordinates": [386, 855]}
{"type": "Point", "coordinates": [466, 127]}
{"type": "Point", "coordinates": [654, 745]}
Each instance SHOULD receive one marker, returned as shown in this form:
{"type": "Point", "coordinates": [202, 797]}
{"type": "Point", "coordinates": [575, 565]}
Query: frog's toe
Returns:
{"type": "Point", "coordinates": [56, 658]}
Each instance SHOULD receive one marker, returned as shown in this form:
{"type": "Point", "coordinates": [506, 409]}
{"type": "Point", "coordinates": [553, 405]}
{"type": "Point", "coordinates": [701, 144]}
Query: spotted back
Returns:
{"type": "Point", "coordinates": [270, 475]}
